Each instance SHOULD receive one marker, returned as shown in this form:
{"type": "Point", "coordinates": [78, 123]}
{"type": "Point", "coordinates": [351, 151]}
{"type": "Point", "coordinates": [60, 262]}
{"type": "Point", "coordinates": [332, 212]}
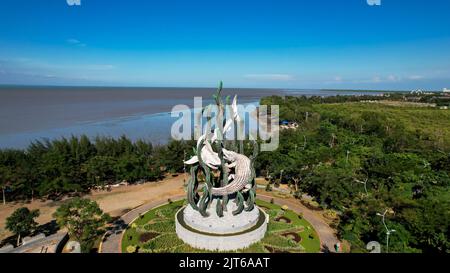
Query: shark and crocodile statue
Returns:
{"type": "Point", "coordinates": [236, 167]}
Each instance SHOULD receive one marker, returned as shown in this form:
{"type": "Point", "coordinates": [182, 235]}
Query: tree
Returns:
{"type": "Point", "coordinates": [21, 222]}
{"type": "Point", "coordinates": [9, 162]}
{"type": "Point", "coordinates": [83, 219]}
{"type": "Point", "coordinates": [5, 175]}
{"type": "Point", "coordinates": [100, 169]}
{"type": "Point", "coordinates": [173, 155]}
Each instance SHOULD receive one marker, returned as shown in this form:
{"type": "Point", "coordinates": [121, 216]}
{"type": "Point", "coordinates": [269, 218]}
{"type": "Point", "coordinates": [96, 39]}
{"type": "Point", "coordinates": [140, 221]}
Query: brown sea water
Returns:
{"type": "Point", "coordinates": [31, 113]}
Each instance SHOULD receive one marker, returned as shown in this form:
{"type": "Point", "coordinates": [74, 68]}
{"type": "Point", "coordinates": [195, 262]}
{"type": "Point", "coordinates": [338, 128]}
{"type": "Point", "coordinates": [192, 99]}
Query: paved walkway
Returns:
{"type": "Point", "coordinates": [326, 234]}
{"type": "Point", "coordinates": [113, 238]}
{"type": "Point", "coordinates": [47, 244]}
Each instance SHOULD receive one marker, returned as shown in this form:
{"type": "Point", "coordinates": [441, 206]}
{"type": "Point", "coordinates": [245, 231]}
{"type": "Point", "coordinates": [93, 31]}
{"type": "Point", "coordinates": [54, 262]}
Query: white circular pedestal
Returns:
{"type": "Point", "coordinates": [230, 232]}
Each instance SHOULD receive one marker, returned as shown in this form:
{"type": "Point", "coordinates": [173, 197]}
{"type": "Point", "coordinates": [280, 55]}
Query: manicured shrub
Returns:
{"type": "Point", "coordinates": [131, 249]}
{"type": "Point", "coordinates": [161, 226]}
{"type": "Point", "coordinates": [164, 241]}
{"type": "Point", "coordinates": [160, 236]}
{"type": "Point", "coordinates": [278, 241]}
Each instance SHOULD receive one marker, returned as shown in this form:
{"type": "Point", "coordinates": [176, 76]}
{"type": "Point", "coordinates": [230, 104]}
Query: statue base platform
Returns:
{"type": "Point", "coordinates": [230, 232]}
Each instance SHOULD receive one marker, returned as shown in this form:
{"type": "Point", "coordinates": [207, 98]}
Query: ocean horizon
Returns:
{"type": "Point", "coordinates": [30, 113]}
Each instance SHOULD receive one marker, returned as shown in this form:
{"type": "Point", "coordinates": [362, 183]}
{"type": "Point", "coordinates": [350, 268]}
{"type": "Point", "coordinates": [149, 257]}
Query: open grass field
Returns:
{"type": "Point", "coordinates": [428, 121]}
{"type": "Point", "coordinates": [154, 231]}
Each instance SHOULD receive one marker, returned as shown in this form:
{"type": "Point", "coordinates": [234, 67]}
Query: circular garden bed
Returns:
{"type": "Point", "coordinates": [154, 231]}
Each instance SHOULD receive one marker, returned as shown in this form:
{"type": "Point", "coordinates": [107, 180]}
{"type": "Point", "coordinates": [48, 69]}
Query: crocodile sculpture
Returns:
{"type": "Point", "coordinates": [241, 177]}
{"type": "Point", "coordinates": [241, 164]}
{"type": "Point", "coordinates": [236, 172]}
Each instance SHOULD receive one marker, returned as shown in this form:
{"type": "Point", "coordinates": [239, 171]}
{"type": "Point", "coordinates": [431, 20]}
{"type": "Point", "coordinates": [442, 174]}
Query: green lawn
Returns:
{"type": "Point", "coordinates": [155, 232]}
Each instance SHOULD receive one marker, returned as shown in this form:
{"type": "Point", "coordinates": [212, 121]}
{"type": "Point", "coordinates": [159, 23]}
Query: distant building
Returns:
{"type": "Point", "coordinates": [418, 92]}
{"type": "Point", "coordinates": [445, 90]}
{"type": "Point", "coordinates": [286, 124]}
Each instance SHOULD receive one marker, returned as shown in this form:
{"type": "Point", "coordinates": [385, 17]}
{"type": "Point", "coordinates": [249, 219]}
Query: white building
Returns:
{"type": "Point", "coordinates": [445, 90]}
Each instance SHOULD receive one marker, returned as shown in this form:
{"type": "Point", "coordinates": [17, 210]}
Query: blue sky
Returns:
{"type": "Point", "coordinates": [285, 43]}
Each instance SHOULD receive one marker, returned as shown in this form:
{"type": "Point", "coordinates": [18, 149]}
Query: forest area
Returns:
{"type": "Point", "coordinates": [362, 159]}
{"type": "Point", "coordinates": [50, 169]}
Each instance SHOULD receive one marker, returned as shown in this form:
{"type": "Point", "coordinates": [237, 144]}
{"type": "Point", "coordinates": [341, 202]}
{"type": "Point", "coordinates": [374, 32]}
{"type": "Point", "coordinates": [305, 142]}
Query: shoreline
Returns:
{"type": "Point", "coordinates": [139, 114]}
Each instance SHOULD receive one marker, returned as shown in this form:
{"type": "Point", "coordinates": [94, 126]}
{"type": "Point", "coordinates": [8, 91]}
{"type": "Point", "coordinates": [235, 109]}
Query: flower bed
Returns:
{"type": "Point", "coordinates": [154, 232]}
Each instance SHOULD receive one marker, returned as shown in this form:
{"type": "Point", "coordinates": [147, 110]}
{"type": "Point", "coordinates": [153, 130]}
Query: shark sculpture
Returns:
{"type": "Point", "coordinates": [241, 163]}
{"type": "Point", "coordinates": [236, 168]}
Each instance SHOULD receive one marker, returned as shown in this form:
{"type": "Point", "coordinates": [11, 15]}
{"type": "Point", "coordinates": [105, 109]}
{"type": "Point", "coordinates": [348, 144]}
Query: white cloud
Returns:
{"type": "Point", "coordinates": [22, 60]}
{"type": "Point", "coordinates": [380, 79]}
{"type": "Point", "coordinates": [269, 77]}
{"type": "Point", "coordinates": [75, 42]}
{"type": "Point", "coordinates": [393, 78]}
{"type": "Point", "coordinates": [376, 79]}
{"type": "Point", "coordinates": [100, 67]}
{"type": "Point", "coordinates": [338, 78]}
{"type": "Point", "coordinates": [415, 77]}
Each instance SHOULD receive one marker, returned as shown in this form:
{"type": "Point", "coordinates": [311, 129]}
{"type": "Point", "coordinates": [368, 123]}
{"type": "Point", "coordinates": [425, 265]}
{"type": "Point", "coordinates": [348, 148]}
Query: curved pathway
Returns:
{"type": "Point", "coordinates": [326, 234]}
{"type": "Point", "coordinates": [112, 240]}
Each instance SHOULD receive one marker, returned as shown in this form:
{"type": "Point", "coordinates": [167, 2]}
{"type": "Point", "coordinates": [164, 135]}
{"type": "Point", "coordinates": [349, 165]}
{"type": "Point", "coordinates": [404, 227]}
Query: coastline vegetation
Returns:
{"type": "Point", "coordinates": [360, 158]}
{"type": "Point", "coordinates": [51, 169]}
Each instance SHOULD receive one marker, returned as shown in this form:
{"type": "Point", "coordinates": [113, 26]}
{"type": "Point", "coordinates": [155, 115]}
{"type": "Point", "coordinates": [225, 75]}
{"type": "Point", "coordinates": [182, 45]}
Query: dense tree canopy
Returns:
{"type": "Point", "coordinates": [83, 219]}
{"type": "Point", "coordinates": [21, 222]}
{"type": "Point", "coordinates": [402, 153]}
{"type": "Point", "coordinates": [53, 168]}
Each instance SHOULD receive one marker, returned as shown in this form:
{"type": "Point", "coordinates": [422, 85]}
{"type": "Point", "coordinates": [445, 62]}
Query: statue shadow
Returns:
{"type": "Point", "coordinates": [117, 227]}
{"type": "Point", "coordinates": [325, 249]}
{"type": "Point", "coordinates": [48, 228]}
